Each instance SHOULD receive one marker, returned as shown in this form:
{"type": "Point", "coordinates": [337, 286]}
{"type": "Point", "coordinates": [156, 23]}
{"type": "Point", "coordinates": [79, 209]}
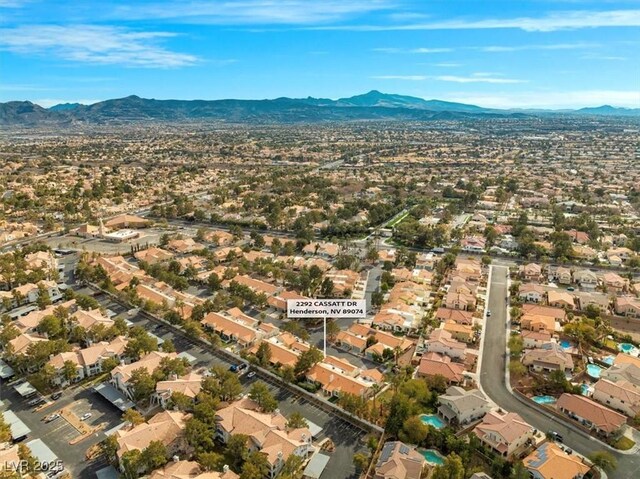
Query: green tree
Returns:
{"type": "Point", "coordinates": [142, 384]}
{"type": "Point", "coordinates": [154, 456]}
{"type": "Point", "coordinates": [256, 466]}
{"type": "Point", "coordinates": [291, 468]}
{"type": "Point", "coordinates": [414, 430]}
{"type": "Point", "coordinates": [399, 411]}
{"type": "Point", "coordinates": [211, 461]}
{"type": "Point", "coordinates": [262, 396]}
{"type": "Point", "coordinates": [236, 452]}
{"type": "Point", "coordinates": [69, 371]}
{"type": "Point", "coordinates": [133, 417]}
{"type": "Point", "coordinates": [263, 354]}
{"type": "Point", "coordinates": [5, 430]}
{"type": "Point", "coordinates": [296, 420]}
{"type": "Point", "coordinates": [451, 469]}
{"type": "Point", "coordinates": [132, 463]}
{"type": "Point", "coordinates": [361, 461]}
{"type": "Point", "coordinates": [199, 435]}
{"type": "Point", "coordinates": [109, 448]}
{"type": "Point", "coordinates": [604, 460]}
{"type": "Point", "coordinates": [307, 360]}
{"type": "Point", "coordinates": [24, 453]}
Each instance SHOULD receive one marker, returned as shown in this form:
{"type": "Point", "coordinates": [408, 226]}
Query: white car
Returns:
{"type": "Point", "coordinates": [86, 416]}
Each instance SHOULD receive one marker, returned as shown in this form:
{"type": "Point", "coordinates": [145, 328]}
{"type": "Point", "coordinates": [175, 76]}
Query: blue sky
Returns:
{"type": "Point", "coordinates": [498, 53]}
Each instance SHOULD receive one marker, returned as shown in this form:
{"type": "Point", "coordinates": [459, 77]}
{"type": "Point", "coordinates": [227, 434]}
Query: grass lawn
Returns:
{"type": "Point", "coordinates": [394, 222]}
{"type": "Point", "coordinates": [624, 443]}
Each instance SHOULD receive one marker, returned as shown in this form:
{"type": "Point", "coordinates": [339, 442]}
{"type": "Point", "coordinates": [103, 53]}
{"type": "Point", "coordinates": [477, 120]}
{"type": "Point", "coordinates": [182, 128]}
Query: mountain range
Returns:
{"type": "Point", "coordinates": [373, 105]}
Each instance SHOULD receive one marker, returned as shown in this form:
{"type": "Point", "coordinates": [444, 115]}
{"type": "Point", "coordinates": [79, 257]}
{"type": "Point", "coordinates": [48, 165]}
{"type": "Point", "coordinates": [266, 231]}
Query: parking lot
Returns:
{"type": "Point", "coordinates": [58, 433]}
{"type": "Point", "coordinates": [347, 437]}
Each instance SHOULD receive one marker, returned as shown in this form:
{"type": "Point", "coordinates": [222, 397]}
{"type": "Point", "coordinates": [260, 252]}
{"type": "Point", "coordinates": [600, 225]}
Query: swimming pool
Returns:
{"type": "Point", "coordinates": [628, 348]}
{"type": "Point", "coordinates": [544, 399]}
{"type": "Point", "coordinates": [432, 420]}
{"type": "Point", "coordinates": [433, 457]}
{"type": "Point", "coordinates": [585, 389]}
{"type": "Point", "coordinates": [564, 344]}
{"type": "Point", "coordinates": [608, 360]}
{"type": "Point", "coordinates": [594, 370]}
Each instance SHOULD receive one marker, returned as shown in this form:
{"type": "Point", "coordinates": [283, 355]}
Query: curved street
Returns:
{"type": "Point", "coordinates": [492, 380]}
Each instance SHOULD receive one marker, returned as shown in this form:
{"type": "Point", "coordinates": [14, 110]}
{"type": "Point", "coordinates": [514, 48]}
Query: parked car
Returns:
{"type": "Point", "coordinates": [52, 417]}
{"type": "Point", "coordinates": [251, 374]}
{"type": "Point", "coordinates": [555, 436]}
{"type": "Point", "coordinates": [56, 396]}
{"type": "Point", "coordinates": [488, 312]}
{"type": "Point", "coordinates": [86, 416]}
{"type": "Point", "coordinates": [36, 401]}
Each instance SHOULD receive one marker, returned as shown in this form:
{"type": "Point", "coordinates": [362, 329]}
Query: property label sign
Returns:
{"type": "Point", "coordinates": [331, 308]}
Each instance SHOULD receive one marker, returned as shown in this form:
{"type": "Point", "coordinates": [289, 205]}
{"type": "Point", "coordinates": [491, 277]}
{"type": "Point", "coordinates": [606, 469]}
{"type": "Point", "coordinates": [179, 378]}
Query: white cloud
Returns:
{"type": "Point", "coordinates": [431, 50]}
{"type": "Point", "coordinates": [401, 77]}
{"type": "Point", "coordinates": [550, 46]}
{"type": "Point", "coordinates": [95, 44]}
{"type": "Point", "coordinates": [557, 20]}
{"type": "Point", "coordinates": [551, 99]}
{"type": "Point", "coordinates": [478, 78]}
{"type": "Point", "coordinates": [252, 12]}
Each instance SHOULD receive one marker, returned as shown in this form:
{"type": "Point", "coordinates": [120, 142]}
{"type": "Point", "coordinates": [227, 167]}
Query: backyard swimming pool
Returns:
{"type": "Point", "coordinates": [585, 389]}
{"type": "Point", "coordinates": [564, 344]}
{"type": "Point", "coordinates": [628, 348]}
{"type": "Point", "coordinates": [544, 399]}
{"type": "Point", "coordinates": [594, 370]}
{"type": "Point", "coordinates": [608, 360]}
{"type": "Point", "coordinates": [433, 457]}
{"type": "Point", "coordinates": [432, 420]}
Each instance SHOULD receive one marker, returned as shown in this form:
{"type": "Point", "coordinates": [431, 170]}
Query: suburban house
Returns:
{"type": "Point", "coordinates": [560, 299]}
{"type": "Point", "coordinates": [558, 314]}
{"type": "Point", "coordinates": [153, 255]}
{"type": "Point", "coordinates": [550, 462]}
{"type": "Point", "coordinates": [268, 433]}
{"type": "Point", "coordinates": [623, 372]}
{"type": "Point", "coordinates": [463, 407]}
{"type": "Point", "coordinates": [531, 292]}
{"type": "Point", "coordinates": [591, 414]}
{"type": "Point", "coordinates": [88, 361]}
{"type": "Point", "coordinates": [620, 395]}
{"type": "Point", "coordinates": [535, 339]}
{"type": "Point", "coordinates": [456, 315]}
{"type": "Point", "coordinates": [550, 357]}
{"type": "Point", "coordinates": [585, 278]}
{"type": "Point", "coordinates": [167, 427]}
{"type": "Point", "coordinates": [232, 330]}
{"type": "Point", "coordinates": [531, 272]}
{"type": "Point", "coordinates": [628, 306]}
{"type": "Point", "coordinates": [191, 470]}
{"type": "Point", "coordinates": [334, 380]}
{"type": "Point", "coordinates": [559, 274]}
{"type": "Point", "coordinates": [442, 342]}
{"type": "Point", "coordinates": [459, 332]}
{"type": "Point", "coordinates": [189, 385]}
{"type": "Point", "coordinates": [615, 283]}
{"type": "Point", "coordinates": [504, 432]}
{"type": "Point", "coordinates": [599, 300]}
{"type": "Point", "coordinates": [399, 461]}
{"type": "Point", "coordinates": [535, 322]}
{"type": "Point", "coordinates": [459, 297]}
{"type": "Point", "coordinates": [120, 375]}
{"type": "Point", "coordinates": [434, 364]}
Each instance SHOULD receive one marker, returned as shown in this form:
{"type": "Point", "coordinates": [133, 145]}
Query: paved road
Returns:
{"type": "Point", "coordinates": [492, 379]}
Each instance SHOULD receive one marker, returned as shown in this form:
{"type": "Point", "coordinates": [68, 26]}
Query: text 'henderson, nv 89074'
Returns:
{"type": "Point", "coordinates": [332, 308]}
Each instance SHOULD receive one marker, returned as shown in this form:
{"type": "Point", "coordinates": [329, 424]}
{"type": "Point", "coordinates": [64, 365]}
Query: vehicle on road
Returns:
{"type": "Point", "coordinates": [56, 396]}
{"type": "Point", "coordinates": [238, 368]}
{"type": "Point", "coordinates": [251, 374]}
{"type": "Point", "coordinates": [555, 436]}
{"type": "Point", "coordinates": [86, 416]}
{"type": "Point", "coordinates": [488, 312]}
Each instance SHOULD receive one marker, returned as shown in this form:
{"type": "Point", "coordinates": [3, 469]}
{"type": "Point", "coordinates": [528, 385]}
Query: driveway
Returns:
{"type": "Point", "coordinates": [492, 379]}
